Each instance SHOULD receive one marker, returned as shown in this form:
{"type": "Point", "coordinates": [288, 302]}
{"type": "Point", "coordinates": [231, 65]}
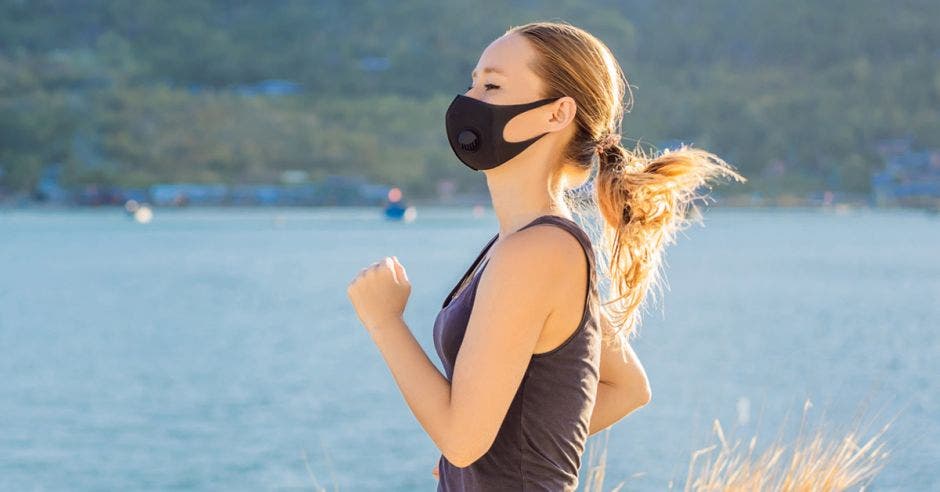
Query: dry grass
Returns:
{"type": "Point", "coordinates": [814, 462]}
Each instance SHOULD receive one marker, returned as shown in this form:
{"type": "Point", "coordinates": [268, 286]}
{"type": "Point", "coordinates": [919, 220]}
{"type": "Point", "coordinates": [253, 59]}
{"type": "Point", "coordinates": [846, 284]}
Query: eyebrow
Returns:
{"type": "Point", "coordinates": [488, 69]}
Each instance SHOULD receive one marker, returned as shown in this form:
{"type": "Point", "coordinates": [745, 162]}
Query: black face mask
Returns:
{"type": "Point", "coordinates": [475, 131]}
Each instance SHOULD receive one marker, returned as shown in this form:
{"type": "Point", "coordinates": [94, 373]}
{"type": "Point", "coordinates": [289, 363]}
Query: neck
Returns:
{"type": "Point", "coordinates": [521, 192]}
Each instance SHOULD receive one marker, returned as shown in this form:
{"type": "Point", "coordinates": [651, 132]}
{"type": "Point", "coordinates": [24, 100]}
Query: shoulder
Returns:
{"type": "Point", "coordinates": [549, 240]}
{"type": "Point", "coordinates": [540, 257]}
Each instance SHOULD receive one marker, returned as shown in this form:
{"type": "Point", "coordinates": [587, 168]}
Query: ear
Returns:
{"type": "Point", "coordinates": [563, 112]}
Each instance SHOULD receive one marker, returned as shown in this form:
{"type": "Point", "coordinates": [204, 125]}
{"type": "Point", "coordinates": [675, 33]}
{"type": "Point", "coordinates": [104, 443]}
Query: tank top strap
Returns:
{"type": "Point", "coordinates": [469, 271]}
{"type": "Point", "coordinates": [564, 222]}
{"type": "Point", "coordinates": [592, 296]}
{"type": "Point", "coordinates": [574, 228]}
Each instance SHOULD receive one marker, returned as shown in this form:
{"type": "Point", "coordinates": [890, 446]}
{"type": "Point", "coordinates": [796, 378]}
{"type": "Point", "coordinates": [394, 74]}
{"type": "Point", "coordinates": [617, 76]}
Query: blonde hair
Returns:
{"type": "Point", "coordinates": [643, 199]}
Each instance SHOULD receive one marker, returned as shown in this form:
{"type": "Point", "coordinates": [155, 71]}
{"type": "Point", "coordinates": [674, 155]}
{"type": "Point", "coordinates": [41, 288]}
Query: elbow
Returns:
{"type": "Point", "coordinates": [463, 452]}
{"type": "Point", "coordinates": [459, 461]}
{"type": "Point", "coordinates": [645, 396]}
{"type": "Point", "coordinates": [461, 458]}
{"type": "Point", "coordinates": [641, 396]}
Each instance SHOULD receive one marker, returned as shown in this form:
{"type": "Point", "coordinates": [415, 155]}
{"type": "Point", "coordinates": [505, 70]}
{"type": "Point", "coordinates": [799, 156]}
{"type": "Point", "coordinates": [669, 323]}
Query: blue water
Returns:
{"type": "Point", "coordinates": [215, 349]}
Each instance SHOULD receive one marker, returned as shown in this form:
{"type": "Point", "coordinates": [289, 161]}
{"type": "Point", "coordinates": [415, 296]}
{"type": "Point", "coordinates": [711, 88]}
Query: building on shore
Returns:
{"type": "Point", "coordinates": [296, 190]}
{"type": "Point", "coordinates": [909, 177]}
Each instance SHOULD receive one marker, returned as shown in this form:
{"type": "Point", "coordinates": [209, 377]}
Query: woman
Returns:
{"type": "Point", "coordinates": [533, 366]}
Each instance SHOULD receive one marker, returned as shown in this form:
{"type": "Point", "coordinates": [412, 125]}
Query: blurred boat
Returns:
{"type": "Point", "coordinates": [397, 209]}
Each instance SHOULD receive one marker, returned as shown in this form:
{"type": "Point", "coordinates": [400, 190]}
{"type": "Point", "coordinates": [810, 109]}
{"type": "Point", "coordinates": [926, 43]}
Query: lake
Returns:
{"type": "Point", "coordinates": [215, 349]}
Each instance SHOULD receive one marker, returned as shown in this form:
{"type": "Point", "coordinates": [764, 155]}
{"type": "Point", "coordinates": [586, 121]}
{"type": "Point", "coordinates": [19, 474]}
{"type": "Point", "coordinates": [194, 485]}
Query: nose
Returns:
{"type": "Point", "coordinates": [469, 93]}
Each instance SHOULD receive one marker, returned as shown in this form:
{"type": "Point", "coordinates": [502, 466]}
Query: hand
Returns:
{"type": "Point", "coordinates": [435, 472]}
{"type": "Point", "coordinates": [380, 292]}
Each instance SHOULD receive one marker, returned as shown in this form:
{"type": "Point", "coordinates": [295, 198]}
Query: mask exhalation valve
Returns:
{"type": "Point", "coordinates": [468, 140]}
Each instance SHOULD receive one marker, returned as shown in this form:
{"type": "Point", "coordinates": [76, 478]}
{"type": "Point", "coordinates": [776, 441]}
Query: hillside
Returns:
{"type": "Point", "coordinates": [135, 93]}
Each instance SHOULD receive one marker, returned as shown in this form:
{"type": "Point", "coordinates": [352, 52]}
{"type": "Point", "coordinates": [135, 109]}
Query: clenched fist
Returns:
{"type": "Point", "coordinates": [380, 292]}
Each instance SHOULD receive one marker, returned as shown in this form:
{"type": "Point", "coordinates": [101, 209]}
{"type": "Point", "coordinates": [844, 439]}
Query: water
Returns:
{"type": "Point", "coordinates": [216, 349]}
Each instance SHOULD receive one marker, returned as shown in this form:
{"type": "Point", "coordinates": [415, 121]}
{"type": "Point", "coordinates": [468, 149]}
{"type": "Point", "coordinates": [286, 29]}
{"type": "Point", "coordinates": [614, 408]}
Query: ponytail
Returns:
{"type": "Point", "coordinates": [644, 201]}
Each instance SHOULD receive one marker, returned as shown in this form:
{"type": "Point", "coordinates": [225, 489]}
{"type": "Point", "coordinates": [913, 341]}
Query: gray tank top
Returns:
{"type": "Point", "coordinates": [542, 437]}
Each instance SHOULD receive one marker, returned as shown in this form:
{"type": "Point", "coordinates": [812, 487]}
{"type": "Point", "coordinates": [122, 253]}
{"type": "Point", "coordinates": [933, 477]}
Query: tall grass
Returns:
{"type": "Point", "coordinates": [813, 462]}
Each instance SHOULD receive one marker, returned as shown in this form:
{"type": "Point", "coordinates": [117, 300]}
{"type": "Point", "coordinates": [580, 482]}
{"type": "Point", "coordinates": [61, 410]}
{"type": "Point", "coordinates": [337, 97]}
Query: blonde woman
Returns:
{"type": "Point", "coordinates": [534, 361]}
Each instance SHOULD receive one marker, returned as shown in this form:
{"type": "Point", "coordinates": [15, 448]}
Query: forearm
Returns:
{"type": "Point", "coordinates": [612, 404]}
{"type": "Point", "coordinates": [425, 389]}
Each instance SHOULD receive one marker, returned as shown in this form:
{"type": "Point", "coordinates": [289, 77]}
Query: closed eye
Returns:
{"type": "Point", "coordinates": [487, 86]}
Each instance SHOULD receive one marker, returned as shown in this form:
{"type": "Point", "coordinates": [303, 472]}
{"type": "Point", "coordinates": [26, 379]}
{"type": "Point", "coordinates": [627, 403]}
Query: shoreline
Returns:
{"type": "Point", "coordinates": [837, 207]}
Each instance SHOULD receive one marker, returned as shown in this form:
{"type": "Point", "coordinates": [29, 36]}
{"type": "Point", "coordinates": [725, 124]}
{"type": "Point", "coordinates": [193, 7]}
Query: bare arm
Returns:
{"type": "Point", "coordinates": [511, 305]}
{"type": "Point", "coordinates": [623, 387]}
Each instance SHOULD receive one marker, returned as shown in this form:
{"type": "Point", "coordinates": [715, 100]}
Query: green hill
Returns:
{"type": "Point", "coordinates": [134, 93]}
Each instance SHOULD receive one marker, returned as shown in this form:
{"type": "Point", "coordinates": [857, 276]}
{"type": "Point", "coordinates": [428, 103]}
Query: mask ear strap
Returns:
{"type": "Point", "coordinates": [525, 143]}
{"type": "Point", "coordinates": [518, 109]}
{"type": "Point", "coordinates": [536, 104]}
{"type": "Point", "coordinates": [507, 112]}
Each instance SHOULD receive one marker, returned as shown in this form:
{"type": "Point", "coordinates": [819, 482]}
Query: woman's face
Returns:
{"type": "Point", "coordinates": [503, 76]}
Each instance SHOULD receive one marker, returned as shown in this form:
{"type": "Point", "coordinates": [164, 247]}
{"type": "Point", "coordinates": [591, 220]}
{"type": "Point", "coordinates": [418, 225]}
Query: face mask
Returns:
{"type": "Point", "coordinates": [475, 131]}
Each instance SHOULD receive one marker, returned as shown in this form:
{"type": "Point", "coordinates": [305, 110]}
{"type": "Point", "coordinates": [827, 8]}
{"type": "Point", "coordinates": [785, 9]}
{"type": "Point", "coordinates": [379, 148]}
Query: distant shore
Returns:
{"type": "Point", "coordinates": [714, 201]}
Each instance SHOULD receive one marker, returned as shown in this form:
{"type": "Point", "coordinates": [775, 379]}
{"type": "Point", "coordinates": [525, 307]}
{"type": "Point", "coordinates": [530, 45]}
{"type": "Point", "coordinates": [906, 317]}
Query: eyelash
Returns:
{"type": "Point", "coordinates": [488, 86]}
